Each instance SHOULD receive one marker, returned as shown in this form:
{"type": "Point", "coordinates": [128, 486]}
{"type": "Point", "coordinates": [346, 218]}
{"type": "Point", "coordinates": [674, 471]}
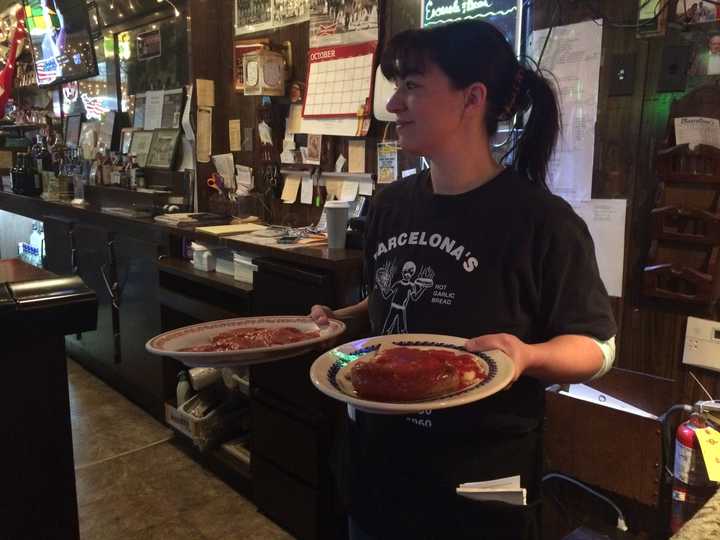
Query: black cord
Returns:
{"type": "Point", "coordinates": [517, 126]}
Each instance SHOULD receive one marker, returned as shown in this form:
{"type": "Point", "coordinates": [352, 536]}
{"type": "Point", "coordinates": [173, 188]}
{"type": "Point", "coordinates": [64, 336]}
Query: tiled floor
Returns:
{"type": "Point", "coordinates": [132, 483]}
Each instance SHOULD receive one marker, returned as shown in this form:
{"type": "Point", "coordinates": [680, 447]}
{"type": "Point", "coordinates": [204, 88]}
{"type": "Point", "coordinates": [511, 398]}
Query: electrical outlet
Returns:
{"type": "Point", "coordinates": [622, 74]}
{"type": "Point", "coordinates": [702, 343]}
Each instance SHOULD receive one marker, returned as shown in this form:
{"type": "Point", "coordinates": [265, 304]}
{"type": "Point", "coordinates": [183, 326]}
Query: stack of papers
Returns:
{"type": "Point", "coordinates": [505, 490]}
{"type": "Point", "coordinates": [190, 219]}
{"type": "Point", "coordinates": [224, 230]}
{"type": "Point", "coordinates": [588, 393]}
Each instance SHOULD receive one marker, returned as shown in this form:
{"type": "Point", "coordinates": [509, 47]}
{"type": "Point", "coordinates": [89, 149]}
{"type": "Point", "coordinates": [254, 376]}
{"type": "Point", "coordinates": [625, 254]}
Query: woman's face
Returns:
{"type": "Point", "coordinates": [428, 111]}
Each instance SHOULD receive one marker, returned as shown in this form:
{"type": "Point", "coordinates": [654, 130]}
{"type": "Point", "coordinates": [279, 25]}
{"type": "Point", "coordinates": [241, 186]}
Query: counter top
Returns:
{"type": "Point", "coordinates": [35, 301]}
{"type": "Point", "coordinates": [704, 524]}
{"type": "Point", "coordinates": [12, 270]}
{"type": "Point", "coordinates": [37, 208]}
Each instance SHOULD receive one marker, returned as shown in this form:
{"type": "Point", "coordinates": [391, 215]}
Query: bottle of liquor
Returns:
{"type": "Point", "coordinates": [25, 178]}
{"type": "Point", "coordinates": [140, 177]}
{"type": "Point", "coordinates": [132, 171]}
{"type": "Point", "coordinates": [41, 154]}
{"type": "Point", "coordinates": [17, 173]}
{"type": "Point", "coordinates": [98, 170]}
{"type": "Point", "coordinates": [107, 169]}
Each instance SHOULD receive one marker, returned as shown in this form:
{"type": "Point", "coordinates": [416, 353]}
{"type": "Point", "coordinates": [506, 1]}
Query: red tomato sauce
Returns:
{"type": "Point", "coordinates": [252, 338]}
{"type": "Point", "coordinates": [412, 374]}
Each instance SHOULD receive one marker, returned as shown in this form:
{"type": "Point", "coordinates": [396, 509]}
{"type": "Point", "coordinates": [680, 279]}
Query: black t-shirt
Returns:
{"type": "Point", "coordinates": [506, 257]}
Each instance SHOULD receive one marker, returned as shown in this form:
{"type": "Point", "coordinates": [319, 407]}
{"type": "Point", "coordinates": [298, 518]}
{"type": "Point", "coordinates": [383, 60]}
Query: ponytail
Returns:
{"type": "Point", "coordinates": [541, 131]}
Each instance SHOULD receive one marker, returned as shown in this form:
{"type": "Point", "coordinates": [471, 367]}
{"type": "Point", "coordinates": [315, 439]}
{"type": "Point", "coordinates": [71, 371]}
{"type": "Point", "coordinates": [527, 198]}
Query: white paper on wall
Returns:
{"type": "Point", "coordinates": [606, 220]}
{"type": "Point", "coordinates": [573, 55]}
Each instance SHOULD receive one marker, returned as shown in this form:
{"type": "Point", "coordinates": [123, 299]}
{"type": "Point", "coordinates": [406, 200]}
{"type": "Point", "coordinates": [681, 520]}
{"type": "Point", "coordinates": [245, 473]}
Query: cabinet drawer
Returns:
{"type": "Point", "coordinates": [293, 445]}
{"type": "Point", "coordinates": [289, 380]}
{"type": "Point", "coordinates": [284, 289]}
{"type": "Point", "coordinates": [305, 512]}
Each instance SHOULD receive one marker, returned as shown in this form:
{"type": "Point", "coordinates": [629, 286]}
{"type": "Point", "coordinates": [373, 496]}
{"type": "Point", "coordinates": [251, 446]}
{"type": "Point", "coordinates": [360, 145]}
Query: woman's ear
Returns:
{"type": "Point", "coordinates": [476, 97]}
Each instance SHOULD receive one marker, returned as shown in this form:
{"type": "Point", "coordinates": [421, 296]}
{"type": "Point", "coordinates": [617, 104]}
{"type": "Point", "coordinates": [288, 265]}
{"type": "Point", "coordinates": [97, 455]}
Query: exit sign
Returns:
{"type": "Point", "coordinates": [501, 13]}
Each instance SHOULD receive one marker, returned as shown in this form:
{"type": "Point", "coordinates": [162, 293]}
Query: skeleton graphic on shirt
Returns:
{"type": "Point", "coordinates": [401, 292]}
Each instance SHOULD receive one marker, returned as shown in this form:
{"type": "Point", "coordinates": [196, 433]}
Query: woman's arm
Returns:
{"type": "Point", "coordinates": [563, 359]}
{"type": "Point", "coordinates": [357, 311]}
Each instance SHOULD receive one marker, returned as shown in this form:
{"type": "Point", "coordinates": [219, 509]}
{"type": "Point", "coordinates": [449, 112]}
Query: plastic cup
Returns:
{"type": "Point", "coordinates": [337, 219]}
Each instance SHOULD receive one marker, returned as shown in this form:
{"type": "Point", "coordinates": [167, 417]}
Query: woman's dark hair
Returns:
{"type": "Point", "coordinates": [475, 51]}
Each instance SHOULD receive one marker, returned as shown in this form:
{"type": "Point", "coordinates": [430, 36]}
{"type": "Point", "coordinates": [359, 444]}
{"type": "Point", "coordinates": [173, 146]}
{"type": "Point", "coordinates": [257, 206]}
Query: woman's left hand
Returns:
{"type": "Point", "coordinates": [519, 351]}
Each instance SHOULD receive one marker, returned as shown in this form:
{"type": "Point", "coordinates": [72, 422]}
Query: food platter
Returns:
{"type": "Point", "coordinates": [171, 343]}
{"type": "Point", "coordinates": [328, 373]}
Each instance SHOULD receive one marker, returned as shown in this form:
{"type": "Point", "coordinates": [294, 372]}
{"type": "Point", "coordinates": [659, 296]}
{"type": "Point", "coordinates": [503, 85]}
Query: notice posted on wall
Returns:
{"type": "Point", "coordinates": [605, 218]}
{"type": "Point", "coordinates": [695, 130]}
{"type": "Point", "coordinates": [572, 54]}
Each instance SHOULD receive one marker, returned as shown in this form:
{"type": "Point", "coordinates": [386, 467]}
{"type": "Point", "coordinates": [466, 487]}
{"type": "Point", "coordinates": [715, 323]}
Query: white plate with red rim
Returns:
{"type": "Point", "coordinates": [328, 372]}
{"type": "Point", "coordinates": [170, 343]}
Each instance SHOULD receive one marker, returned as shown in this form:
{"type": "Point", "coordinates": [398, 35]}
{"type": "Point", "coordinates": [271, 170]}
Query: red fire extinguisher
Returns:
{"type": "Point", "coordinates": [691, 485]}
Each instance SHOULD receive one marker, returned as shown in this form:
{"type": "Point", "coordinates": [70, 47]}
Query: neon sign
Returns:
{"type": "Point", "coordinates": [501, 13]}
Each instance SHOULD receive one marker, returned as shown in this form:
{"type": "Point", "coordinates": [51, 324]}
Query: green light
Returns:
{"type": "Point", "coordinates": [343, 358]}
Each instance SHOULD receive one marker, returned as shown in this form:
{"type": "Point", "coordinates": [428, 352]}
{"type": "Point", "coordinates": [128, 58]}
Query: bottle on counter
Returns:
{"type": "Point", "coordinates": [131, 168]}
{"type": "Point", "coordinates": [33, 179]}
{"type": "Point", "coordinates": [97, 167]}
{"type": "Point", "coordinates": [107, 167]}
{"type": "Point", "coordinates": [140, 177]}
{"type": "Point", "coordinates": [183, 391]}
{"type": "Point", "coordinates": [25, 178]}
{"type": "Point", "coordinates": [41, 154]}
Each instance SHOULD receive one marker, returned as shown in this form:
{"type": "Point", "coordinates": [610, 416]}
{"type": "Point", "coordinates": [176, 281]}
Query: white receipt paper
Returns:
{"type": "Point", "coordinates": [306, 190]}
{"type": "Point", "coordinates": [505, 490]}
{"type": "Point", "coordinates": [605, 219]}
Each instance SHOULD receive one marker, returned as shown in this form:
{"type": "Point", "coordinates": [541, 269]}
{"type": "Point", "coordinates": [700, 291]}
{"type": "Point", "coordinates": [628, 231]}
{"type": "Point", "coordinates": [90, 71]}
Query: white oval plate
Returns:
{"type": "Point", "coordinates": [170, 343]}
{"type": "Point", "coordinates": [326, 368]}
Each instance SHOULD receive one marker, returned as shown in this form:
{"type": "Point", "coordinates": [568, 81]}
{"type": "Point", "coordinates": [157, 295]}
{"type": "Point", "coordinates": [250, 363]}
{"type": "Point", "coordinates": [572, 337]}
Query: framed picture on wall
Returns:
{"type": "Point", "coordinates": [652, 17]}
{"type": "Point", "coordinates": [139, 111]}
{"type": "Point", "coordinates": [140, 145]}
{"type": "Point", "coordinates": [149, 45]}
{"type": "Point", "coordinates": [172, 108]}
{"type": "Point", "coordinates": [696, 11]}
{"type": "Point", "coordinates": [163, 149]}
{"type": "Point", "coordinates": [72, 129]}
{"type": "Point", "coordinates": [240, 48]}
{"type": "Point", "coordinates": [252, 16]}
{"type": "Point", "coordinates": [704, 61]}
{"type": "Point", "coordinates": [125, 140]}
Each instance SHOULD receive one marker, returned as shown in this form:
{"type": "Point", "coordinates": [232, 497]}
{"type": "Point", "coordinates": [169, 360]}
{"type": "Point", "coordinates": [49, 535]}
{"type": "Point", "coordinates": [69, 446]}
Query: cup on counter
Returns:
{"type": "Point", "coordinates": [337, 220]}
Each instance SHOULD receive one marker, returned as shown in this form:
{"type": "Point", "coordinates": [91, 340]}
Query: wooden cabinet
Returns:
{"type": "Point", "coordinates": [97, 349]}
{"type": "Point", "coordinates": [139, 320]}
{"type": "Point", "coordinates": [283, 288]}
{"type": "Point", "coordinates": [122, 270]}
{"type": "Point", "coordinates": [293, 432]}
{"type": "Point", "coordinates": [60, 249]}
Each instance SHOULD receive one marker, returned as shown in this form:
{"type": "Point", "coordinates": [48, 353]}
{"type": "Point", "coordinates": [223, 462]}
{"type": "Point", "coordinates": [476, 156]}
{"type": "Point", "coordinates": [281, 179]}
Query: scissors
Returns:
{"type": "Point", "coordinates": [216, 182]}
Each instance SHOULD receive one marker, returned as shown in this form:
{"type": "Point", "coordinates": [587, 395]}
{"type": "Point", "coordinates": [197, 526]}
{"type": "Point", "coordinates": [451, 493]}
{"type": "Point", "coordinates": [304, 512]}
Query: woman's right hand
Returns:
{"type": "Point", "coordinates": [321, 314]}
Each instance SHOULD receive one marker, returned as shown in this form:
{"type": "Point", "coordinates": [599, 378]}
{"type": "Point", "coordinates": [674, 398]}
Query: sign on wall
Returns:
{"type": "Point", "coordinates": [149, 45]}
{"type": "Point", "coordinates": [501, 13]}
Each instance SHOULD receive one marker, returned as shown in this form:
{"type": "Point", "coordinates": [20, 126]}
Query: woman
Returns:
{"type": "Point", "coordinates": [512, 268]}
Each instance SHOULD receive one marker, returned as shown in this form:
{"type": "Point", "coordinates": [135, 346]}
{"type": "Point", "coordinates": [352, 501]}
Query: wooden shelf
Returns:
{"type": "Point", "coordinates": [216, 280]}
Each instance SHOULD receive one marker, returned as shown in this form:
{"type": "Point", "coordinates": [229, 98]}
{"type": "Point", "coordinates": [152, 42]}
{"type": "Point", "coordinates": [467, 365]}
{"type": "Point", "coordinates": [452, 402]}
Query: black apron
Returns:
{"type": "Point", "coordinates": [399, 481]}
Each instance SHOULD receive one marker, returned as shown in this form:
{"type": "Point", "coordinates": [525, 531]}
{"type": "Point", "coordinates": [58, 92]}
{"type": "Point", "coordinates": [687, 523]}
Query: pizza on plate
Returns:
{"type": "Point", "coordinates": [252, 338]}
{"type": "Point", "coordinates": [414, 374]}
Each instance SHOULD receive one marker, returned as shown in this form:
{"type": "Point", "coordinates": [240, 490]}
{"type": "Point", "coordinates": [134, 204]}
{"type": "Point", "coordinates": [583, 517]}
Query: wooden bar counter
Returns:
{"type": "Point", "coordinates": [37, 309]}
